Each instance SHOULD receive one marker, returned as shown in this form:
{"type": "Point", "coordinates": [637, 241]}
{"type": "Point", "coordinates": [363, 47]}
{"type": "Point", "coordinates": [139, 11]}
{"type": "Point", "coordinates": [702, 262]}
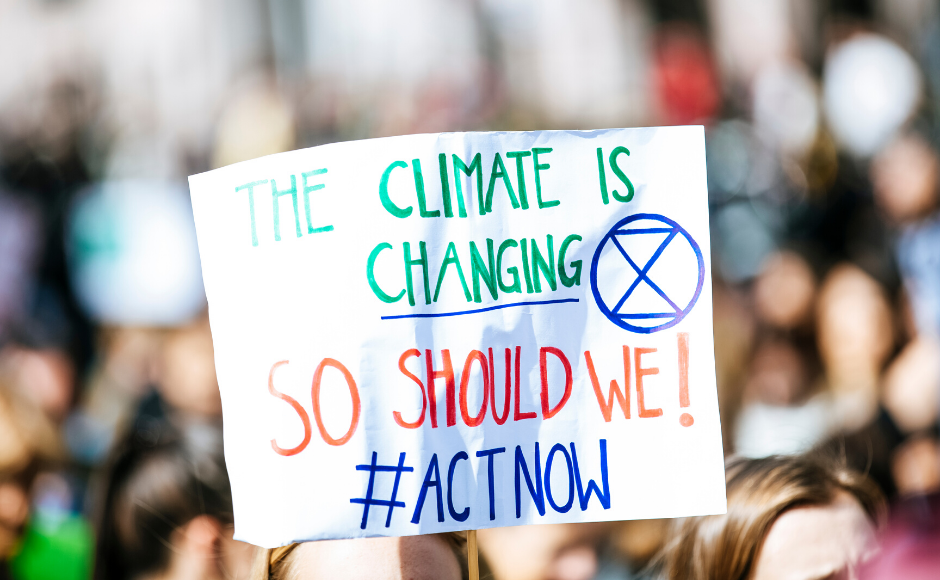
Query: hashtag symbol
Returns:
{"type": "Point", "coordinates": [368, 501]}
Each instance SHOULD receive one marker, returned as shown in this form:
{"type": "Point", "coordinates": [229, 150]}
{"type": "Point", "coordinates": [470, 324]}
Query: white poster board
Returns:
{"type": "Point", "coordinates": [458, 331]}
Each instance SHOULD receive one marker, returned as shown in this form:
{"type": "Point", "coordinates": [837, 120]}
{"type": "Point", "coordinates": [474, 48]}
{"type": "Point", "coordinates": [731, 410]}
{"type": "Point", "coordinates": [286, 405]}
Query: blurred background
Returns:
{"type": "Point", "coordinates": [822, 129]}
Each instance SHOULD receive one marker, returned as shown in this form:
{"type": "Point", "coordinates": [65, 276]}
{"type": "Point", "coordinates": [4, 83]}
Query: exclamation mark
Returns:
{"type": "Point", "coordinates": [685, 419]}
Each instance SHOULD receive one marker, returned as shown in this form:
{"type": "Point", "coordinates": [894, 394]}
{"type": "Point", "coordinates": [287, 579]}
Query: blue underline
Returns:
{"type": "Point", "coordinates": [478, 310]}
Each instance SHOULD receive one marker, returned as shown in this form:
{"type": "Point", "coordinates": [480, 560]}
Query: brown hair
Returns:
{"type": "Point", "coordinates": [157, 481]}
{"type": "Point", "coordinates": [726, 547]}
{"type": "Point", "coordinates": [278, 563]}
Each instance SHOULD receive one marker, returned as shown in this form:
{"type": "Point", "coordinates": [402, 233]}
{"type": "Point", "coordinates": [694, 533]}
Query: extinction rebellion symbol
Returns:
{"type": "Point", "coordinates": [647, 273]}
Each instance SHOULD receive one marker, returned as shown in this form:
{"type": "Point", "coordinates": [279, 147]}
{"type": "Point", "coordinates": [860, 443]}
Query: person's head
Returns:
{"type": "Point", "coordinates": [428, 557]}
{"type": "Point", "coordinates": [164, 511]}
{"type": "Point", "coordinates": [855, 327]}
{"type": "Point", "coordinates": [552, 551]}
{"type": "Point", "coordinates": [28, 439]}
{"type": "Point", "coordinates": [187, 374]}
{"type": "Point", "coordinates": [784, 291]}
{"type": "Point", "coordinates": [905, 176]}
{"type": "Point", "coordinates": [44, 374]}
{"type": "Point", "coordinates": [788, 517]}
{"type": "Point", "coordinates": [782, 371]}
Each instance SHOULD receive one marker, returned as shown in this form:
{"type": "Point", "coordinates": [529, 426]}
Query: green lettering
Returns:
{"type": "Point", "coordinates": [371, 275]}
{"type": "Point", "coordinates": [539, 167]}
{"type": "Point", "coordinates": [419, 186]}
{"type": "Point", "coordinates": [445, 189]}
{"type": "Point", "coordinates": [568, 282]}
{"type": "Point", "coordinates": [423, 262]}
{"type": "Point", "coordinates": [525, 265]}
{"type": "Point", "coordinates": [478, 269]}
{"type": "Point", "coordinates": [383, 193]}
{"type": "Point", "coordinates": [547, 269]}
{"type": "Point", "coordinates": [513, 271]}
{"type": "Point", "coordinates": [475, 165]}
{"type": "Point", "coordinates": [499, 170]}
{"type": "Point", "coordinates": [602, 175]}
{"type": "Point", "coordinates": [520, 175]}
{"type": "Point", "coordinates": [619, 172]}
{"type": "Point", "coordinates": [450, 257]}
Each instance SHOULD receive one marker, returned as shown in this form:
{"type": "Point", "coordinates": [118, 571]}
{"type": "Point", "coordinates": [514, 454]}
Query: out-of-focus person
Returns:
{"type": "Point", "coordinates": [911, 386]}
{"type": "Point", "coordinates": [187, 380]}
{"type": "Point", "coordinates": [785, 291]}
{"type": "Point", "coordinates": [172, 369]}
{"type": "Point", "coordinates": [44, 374]}
{"type": "Point", "coordinates": [553, 552]}
{"type": "Point", "coordinates": [856, 334]}
{"type": "Point", "coordinates": [428, 557]}
{"type": "Point", "coordinates": [784, 409]}
{"type": "Point", "coordinates": [910, 546]}
{"type": "Point", "coordinates": [905, 177]}
{"type": "Point", "coordinates": [125, 370]}
{"type": "Point", "coordinates": [28, 440]}
{"type": "Point", "coordinates": [784, 412]}
{"type": "Point", "coordinates": [165, 510]}
{"type": "Point", "coordinates": [788, 517]}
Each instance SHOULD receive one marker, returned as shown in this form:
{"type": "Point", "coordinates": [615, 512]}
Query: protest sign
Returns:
{"type": "Point", "coordinates": [458, 331]}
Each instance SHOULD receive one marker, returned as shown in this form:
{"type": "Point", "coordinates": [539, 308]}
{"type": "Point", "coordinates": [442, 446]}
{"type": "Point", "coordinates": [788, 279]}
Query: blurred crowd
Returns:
{"type": "Point", "coordinates": [822, 132]}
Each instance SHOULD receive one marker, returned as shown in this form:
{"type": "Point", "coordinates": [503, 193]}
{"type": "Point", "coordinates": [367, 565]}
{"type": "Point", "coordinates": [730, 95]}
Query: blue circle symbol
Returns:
{"type": "Point", "coordinates": [623, 236]}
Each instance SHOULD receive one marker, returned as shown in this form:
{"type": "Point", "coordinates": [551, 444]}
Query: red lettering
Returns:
{"type": "Point", "coordinates": [507, 399]}
{"type": "Point", "coordinates": [640, 373]}
{"type": "Point", "coordinates": [353, 393]}
{"type": "Point", "coordinates": [548, 413]}
{"type": "Point", "coordinates": [478, 356]}
{"type": "Point", "coordinates": [424, 399]}
{"type": "Point", "coordinates": [516, 415]}
{"type": "Point", "coordinates": [683, 338]}
{"type": "Point", "coordinates": [297, 407]}
{"type": "Point", "coordinates": [447, 373]}
{"type": "Point", "coordinates": [607, 406]}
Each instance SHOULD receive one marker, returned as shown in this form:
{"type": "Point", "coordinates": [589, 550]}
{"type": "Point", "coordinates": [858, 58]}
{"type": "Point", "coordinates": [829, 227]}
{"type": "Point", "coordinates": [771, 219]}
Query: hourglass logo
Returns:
{"type": "Point", "coordinates": [624, 280]}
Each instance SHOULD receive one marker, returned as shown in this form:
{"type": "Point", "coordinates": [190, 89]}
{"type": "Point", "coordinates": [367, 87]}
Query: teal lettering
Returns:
{"type": "Point", "coordinates": [419, 187]}
{"type": "Point", "coordinates": [477, 166]}
{"type": "Point", "coordinates": [539, 167]}
{"type": "Point", "coordinates": [450, 257]}
{"type": "Point", "coordinates": [307, 190]}
{"type": "Point", "coordinates": [411, 262]}
{"type": "Point", "coordinates": [520, 175]}
{"type": "Point", "coordinates": [499, 170]}
{"type": "Point", "coordinates": [445, 189]}
{"type": "Point", "coordinates": [383, 193]}
{"type": "Point", "coordinates": [275, 195]}
{"type": "Point", "coordinates": [370, 274]}
{"type": "Point", "coordinates": [251, 206]}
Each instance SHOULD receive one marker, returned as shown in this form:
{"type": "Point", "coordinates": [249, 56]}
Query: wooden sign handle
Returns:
{"type": "Point", "coordinates": [473, 561]}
